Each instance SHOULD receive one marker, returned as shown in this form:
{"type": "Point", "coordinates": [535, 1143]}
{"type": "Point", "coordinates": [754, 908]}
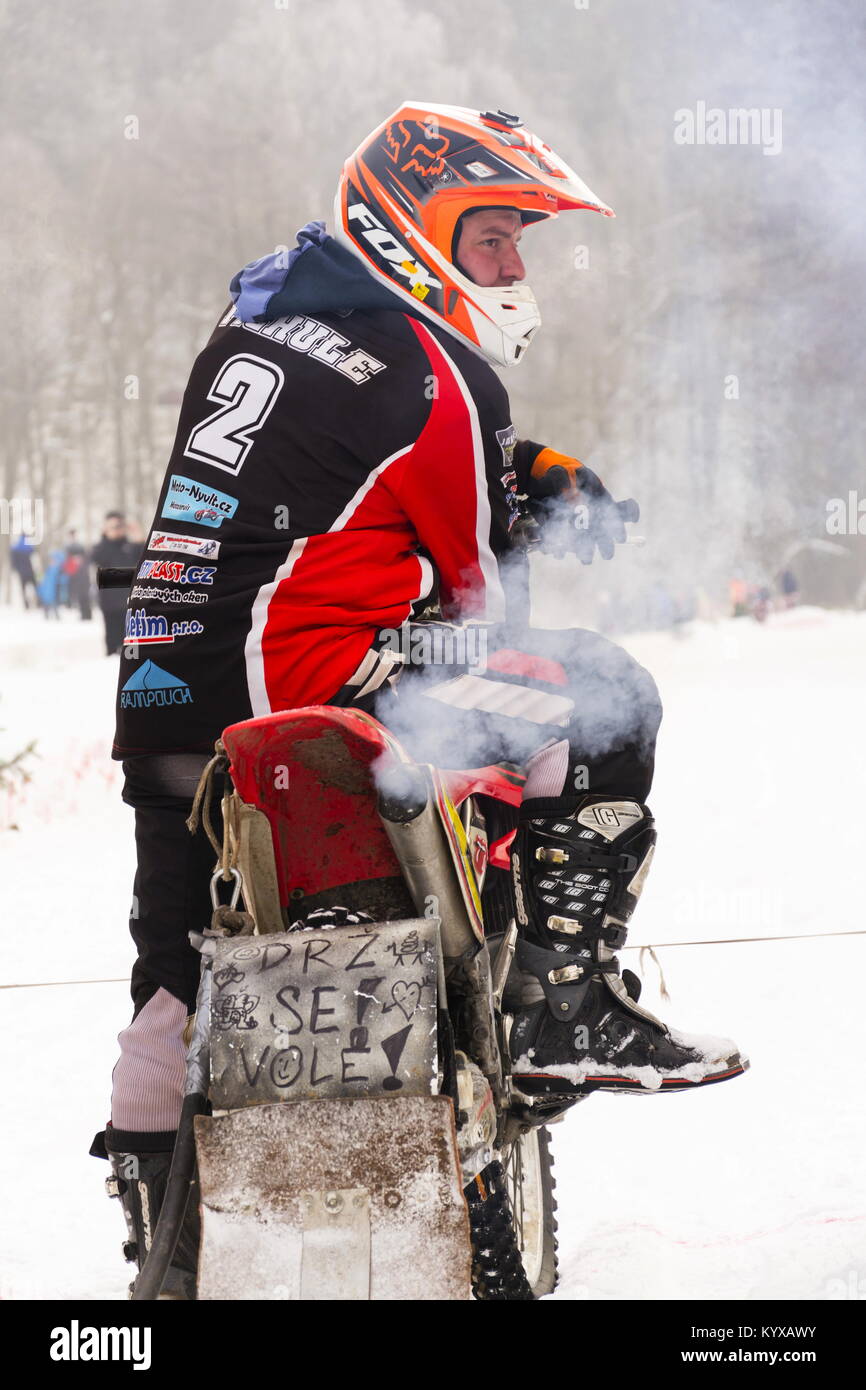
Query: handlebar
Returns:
{"type": "Point", "coordinates": [111, 578]}
{"type": "Point", "coordinates": [532, 532]}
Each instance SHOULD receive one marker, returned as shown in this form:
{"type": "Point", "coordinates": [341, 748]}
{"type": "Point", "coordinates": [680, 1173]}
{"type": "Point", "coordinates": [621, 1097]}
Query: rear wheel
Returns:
{"type": "Point", "coordinates": [512, 1213]}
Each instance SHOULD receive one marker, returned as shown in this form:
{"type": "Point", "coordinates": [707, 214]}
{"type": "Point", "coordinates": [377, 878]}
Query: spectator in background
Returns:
{"type": "Point", "coordinates": [739, 596]}
{"type": "Point", "coordinates": [788, 588]}
{"type": "Point", "coordinates": [760, 601]}
{"type": "Point", "coordinates": [52, 585]}
{"type": "Point", "coordinates": [22, 564]}
{"type": "Point", "coordinates": [76, 567]}
{"type": "Point", "coordinates": [115, 549]}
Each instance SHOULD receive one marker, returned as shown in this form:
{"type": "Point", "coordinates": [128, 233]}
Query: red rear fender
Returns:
{"type": "Point", "coordinates": [310, 771]}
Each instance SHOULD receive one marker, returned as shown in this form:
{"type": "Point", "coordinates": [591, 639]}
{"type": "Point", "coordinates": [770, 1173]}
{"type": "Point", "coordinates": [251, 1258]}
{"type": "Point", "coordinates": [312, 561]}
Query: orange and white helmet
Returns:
{"type": "Point", "coordinates": [404, 190]}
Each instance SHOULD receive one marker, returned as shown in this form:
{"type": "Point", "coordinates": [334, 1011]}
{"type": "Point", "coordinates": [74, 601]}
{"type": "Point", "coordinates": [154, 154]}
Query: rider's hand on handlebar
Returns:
{"type": "Point", "coordinates": [599, 521]}
{"type": "Point", "coordinates": [582, 512]}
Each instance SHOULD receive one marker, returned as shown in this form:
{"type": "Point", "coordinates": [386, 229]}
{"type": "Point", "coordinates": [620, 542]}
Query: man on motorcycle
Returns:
{"type": "Point", "coordinates": [345, 463]}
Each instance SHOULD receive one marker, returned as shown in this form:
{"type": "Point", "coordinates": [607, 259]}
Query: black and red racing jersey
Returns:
{"type": "Point", "coordinates": [328, 473]}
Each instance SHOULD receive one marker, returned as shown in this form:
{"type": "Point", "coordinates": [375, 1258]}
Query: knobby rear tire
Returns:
{"type": "Point", "coordinates": [514, 1237]}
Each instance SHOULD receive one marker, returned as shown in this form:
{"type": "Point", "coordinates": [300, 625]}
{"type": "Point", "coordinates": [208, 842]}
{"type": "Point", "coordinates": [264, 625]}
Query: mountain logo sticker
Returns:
{"type": "Point", "coordinates": [150, 685]}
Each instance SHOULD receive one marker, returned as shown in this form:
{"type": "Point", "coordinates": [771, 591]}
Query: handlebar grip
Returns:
{"type": "Point", "coordinates": [629, 510]}
{"type": "Point", "coordinates": [114, 578]}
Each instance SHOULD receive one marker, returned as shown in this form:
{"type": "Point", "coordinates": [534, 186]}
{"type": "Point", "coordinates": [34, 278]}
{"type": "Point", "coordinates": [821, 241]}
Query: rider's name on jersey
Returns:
{"type": "Point", "coordinates": [187, 500]}
{"type": "Point", "coordinates": [318, 341]}
{"type": "Point", "coordinates": [178, 543]}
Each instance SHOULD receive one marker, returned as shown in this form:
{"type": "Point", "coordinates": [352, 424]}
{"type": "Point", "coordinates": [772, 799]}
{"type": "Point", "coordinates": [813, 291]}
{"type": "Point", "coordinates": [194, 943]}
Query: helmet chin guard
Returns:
{"type": "Point", "coordinates": [403, 191]}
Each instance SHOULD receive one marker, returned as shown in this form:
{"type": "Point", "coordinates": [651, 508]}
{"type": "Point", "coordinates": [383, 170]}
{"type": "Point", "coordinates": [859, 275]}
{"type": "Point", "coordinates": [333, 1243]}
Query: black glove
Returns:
{"type": "Point", "coordinates": [598, 520]}
{"type": "Point", "coordinates": [575, 509]}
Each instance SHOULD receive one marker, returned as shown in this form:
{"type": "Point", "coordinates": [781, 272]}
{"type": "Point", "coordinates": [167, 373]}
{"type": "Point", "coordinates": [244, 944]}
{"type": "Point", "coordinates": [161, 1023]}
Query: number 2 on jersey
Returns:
{"type": "Point", "coordinates": [245, 388]}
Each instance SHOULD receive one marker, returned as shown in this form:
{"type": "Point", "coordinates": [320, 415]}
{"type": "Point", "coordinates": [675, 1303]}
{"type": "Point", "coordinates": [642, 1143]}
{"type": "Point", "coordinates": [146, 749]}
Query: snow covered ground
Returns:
{"type": "Point", "coordinates": [752, 1189]}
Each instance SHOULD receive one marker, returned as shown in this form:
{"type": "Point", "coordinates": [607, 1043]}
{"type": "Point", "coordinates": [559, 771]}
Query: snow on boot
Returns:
{"type": "Point", "coordinates": [139, 1176]}
{"type": "Point", "coordinates": [578, 867]}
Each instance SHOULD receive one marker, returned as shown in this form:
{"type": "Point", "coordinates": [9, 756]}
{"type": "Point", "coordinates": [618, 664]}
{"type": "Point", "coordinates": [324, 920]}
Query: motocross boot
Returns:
{"type": "Point", "coordinates": [578, 867]}
{"type": "Point", "coordinates": [139, 1177]}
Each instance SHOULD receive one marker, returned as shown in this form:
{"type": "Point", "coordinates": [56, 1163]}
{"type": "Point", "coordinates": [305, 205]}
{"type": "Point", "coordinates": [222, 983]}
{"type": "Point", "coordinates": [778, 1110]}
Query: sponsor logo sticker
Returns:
{"type": "Point", "coordinates": [179, 544]}
{"type": "Point", "coordinates": [142, 592]}
{"type": "Point", "coordinates": [147, 629]}
{"type": "Point", "coordinates": [188, 500]}
{"type": "Point", "coordinates": [151, 686]}
{"type": "Point", "coordinates": [507, 439]}
{"type": "Point", "coordinates": [176, 572]}
{"type": "Point", "coordinates": [391, 254]}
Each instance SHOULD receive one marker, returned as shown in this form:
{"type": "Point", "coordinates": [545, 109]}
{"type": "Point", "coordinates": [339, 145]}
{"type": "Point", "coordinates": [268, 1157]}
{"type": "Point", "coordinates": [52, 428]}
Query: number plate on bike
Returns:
{"type": "Point", "coordinates": [342, 1011]}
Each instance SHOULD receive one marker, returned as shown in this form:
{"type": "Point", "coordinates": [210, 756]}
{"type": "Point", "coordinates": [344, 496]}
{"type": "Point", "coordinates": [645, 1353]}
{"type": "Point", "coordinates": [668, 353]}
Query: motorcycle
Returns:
{"type": "Point", "coordinates": [352, 1127]}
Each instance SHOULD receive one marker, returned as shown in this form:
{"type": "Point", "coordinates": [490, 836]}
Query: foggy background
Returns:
{"type": "Point", "coordinates": [704, 352]}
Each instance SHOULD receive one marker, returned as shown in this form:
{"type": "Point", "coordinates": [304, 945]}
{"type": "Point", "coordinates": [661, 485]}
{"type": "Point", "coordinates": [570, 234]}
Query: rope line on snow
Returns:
{"type": "Point", "coordinates": [658, 946]}
{"type": "Point", "coordinates": [736, 940]}
{"type": "Point", "coordinates": [48, 984]}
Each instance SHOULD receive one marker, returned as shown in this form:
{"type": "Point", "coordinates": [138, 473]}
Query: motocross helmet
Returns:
{"type": "Point", "coordinates": [403, 192]}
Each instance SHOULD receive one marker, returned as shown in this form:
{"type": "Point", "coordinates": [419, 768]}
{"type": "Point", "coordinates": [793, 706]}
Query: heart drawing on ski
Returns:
{"type": "Point", "coordinates": [406, 998]}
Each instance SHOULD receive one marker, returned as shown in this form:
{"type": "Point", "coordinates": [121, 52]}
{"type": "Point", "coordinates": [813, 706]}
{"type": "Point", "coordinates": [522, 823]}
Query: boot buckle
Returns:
{"type": "Point", "coordinates": [113, 1186]}
{"type": "Point", "coordinates": [565, 974]}
{"type": "Point", "coordinates": [567, 925]}
{"type": "Point", "coordinates": [546, 855]}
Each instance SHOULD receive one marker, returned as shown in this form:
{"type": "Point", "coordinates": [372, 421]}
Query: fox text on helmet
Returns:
{"type": "Point", "coordinates": [403, 192]}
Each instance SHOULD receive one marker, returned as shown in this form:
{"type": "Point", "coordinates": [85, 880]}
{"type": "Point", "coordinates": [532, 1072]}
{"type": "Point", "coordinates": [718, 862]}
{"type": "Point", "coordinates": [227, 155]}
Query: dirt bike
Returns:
{"type": "Point", "coordinates": [351, 1125]}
